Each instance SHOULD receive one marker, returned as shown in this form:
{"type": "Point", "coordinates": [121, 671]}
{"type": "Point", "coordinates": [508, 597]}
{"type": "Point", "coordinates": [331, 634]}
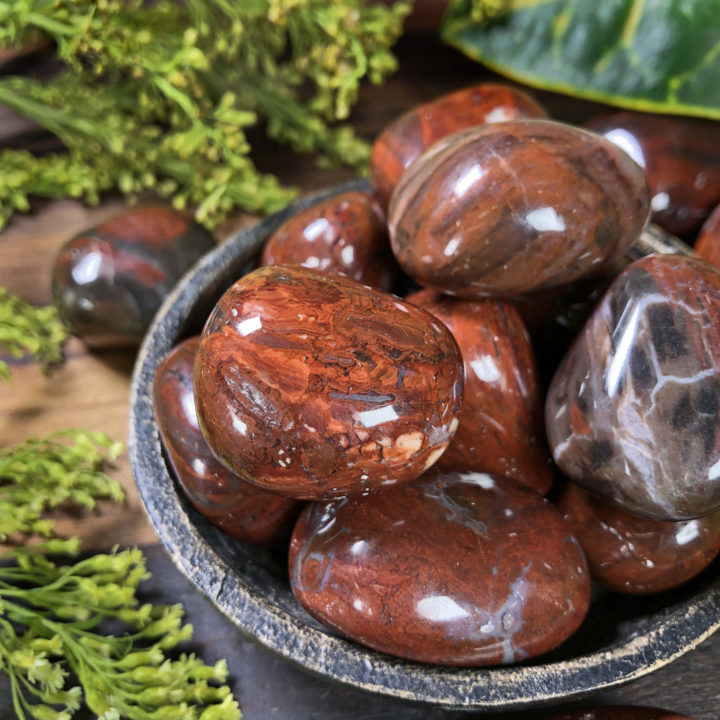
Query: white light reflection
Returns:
{"type": "Point", "coordinates": [545, 219]}
{"type": "Point", "coordinates": [485, 369]}
{"type": "Point", "coordinates": [316, 228]}
{"type": "Point", "coordinates": [249, 325]}
{"type": "Point", "coordinates": [688, 533]}
{"type": "Point", "coordinates": [467, 180]}
{"type": "Point", "coordinates": [371, 418]}
{"type": "Point", "coordinates": [440, 608]}
{"type": "Point", "coordinates": [620, 358]}
{"type": "Point", "coordinates": [87, 269]}
{"type": "Point", "coordinates": [625, 141]}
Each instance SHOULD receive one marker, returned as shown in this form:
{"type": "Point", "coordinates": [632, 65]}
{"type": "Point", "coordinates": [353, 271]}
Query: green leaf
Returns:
{"type": "Point", "coordinates": [653, 55]}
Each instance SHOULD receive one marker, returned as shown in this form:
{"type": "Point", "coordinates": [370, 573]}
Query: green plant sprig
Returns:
{"type": "Point", "coordinates": [159, 95]}
{"type": "Point", "coordinates": [26, 329]}
{"type": "Point", "coordinates": [49, 623]}
{"type": "Point", "coordinates": [39, 475]}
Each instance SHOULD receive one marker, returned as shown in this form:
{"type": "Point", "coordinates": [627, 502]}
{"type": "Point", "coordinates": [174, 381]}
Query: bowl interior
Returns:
{"type": "Point", "coordinates": [622, 638]}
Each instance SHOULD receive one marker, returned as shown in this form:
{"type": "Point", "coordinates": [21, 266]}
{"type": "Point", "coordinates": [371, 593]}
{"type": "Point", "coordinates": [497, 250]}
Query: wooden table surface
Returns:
{"type": "Point", "coordinates": [91, 391]}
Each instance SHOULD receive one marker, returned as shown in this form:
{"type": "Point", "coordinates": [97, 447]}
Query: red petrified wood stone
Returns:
{"type": "Point", "coordinates": [501, 427]}
{"type": "Point", "coordinates": [344, 235]}
{"type": "Point", "coordinates": [408, 136]}
{"type": "Point", "coordinates": [681, 159]}
{"type": "Point", "coordinates": [636, 555]}
{"type": "Point", "coordinates": [238, 508]}
{"type": "Point", "coordinates": [633, 411]}
{"type": "Point", "coordinates": [109, 281]}
{"type": "Point", "coordinates": [316, 386]}
{"type": "Point", "coordinates": [452, 569]}
{"type": "Point", "coordinates": [708, 242]}
{"type": "Point", "coordinates": [509, 208]}
{"type": "Point", "coordinates": [619, 713]}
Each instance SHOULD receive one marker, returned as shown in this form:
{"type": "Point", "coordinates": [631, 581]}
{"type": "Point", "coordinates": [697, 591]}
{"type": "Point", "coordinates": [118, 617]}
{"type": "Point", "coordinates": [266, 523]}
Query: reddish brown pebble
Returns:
{"type": "Point", "coordinates": [619, 713]}
{"type": "Point", "coordinates": [408, 136]}
{"type": "Point", "coordinates": [317, 387]}
{"type": "Point", "coordinates": [681, 159]}
{"type": "Point", "coordinates": [636, 555]}
{"type": "Point", "coordinates": [501, 429]}
{"type": "Point", "coordinates": [345, 235]}
{"type": "Point", "coordinates": [515, 207]}
{"type": "Point", "coordinates": [109, 281]}
{"type": "Point", "coordinates": [453, 569]}
{"type": "Point", "coordinates": [708, 242]}
{"type": "Point", "coordinates": [240, 509]}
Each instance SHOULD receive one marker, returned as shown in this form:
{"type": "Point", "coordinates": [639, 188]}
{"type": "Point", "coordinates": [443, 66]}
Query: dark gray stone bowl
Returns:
{"type": "Point", "coordinates": [622, 638]}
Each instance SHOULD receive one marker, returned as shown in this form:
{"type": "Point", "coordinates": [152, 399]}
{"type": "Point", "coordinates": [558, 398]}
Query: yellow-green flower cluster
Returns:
{"type": "Point", "coordinates": [50, 622]}
{"type": "Point", "coordinates": [159, 95]}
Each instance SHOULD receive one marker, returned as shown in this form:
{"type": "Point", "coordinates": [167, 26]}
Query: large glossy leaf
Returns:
{"type": "Point", "coordinates": [658, 55]}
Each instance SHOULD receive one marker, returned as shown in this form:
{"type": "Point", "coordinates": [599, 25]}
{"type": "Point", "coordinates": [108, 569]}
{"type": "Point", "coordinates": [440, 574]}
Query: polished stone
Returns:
{"type": "Point", "coordinates": [452, 569]}
{"type": "Point", "coordinates": [636, 555]}
{"type": "Point", "coordinates": [408, 136]}
{"type": "Point", "coordinates": [237, 507]}
{"type": "Point", "coordinates": [109, 281]}
{"type": "Point", "coordinates": [708, 241]}
{"type": "Point", "coordinates": [501, 425]}
{"type": "Point", "coordinates": [625, 712]}
{"type": "Point", "coordinates": [344, 235]}
{"type": "Point", "coordinates": [681, 159]}
{"type": "Point", "coordinates": [316, 386]}
{"type": "Point", "coordinates": [515, 207]}
{"type": "Point", "coordinates": [632, 411]}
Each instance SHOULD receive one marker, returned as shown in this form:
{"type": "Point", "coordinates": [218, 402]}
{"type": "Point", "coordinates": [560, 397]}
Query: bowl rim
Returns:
{"type": "Point", "coordinates": [672, 633]}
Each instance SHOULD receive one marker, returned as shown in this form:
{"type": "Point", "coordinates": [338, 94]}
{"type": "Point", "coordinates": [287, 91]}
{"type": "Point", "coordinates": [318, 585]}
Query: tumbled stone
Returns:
{"type": "Point", "coordinates": [452, 569]}
{"type": "Point", "coordinates": [408, 136]}
{"type": "Point", "coordinates": [109, 281]}
{"type": "Point", "coordinates": [316, 386]}
{"type": "Point", "coordinates": [237, 507]}
{"type": "Point", "coordinates": [510, 208]}
{"type": "Point", "coordinates": [632, 411]}
{"type": "Point", "coordinates": [708, 241]}
{"type": "Point", "coordinates": [618, 712]}
{"type": "Point", "coordinates": [681, 159]}
{"type": "Point", "coordinates": [344, 235]}
{"type": "Point", "coordinates": [636, 555]}
{"type": "Point", "coordinates": [501, 427]}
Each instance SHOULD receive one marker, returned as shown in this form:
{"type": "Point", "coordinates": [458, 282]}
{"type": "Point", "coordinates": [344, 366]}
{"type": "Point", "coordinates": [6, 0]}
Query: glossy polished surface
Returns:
{"type": "Point", "coordinates": [632, 411]}
{"type": "Point", "coordinates": [708, 242]}
{"type": "Point", "coordinates": [452, 569]}
{"type": "Point", "coordinates": [501, 425]}
{"type": "Point", "coordinates": [238, 508]}
{"type": "Point", "coordinates": [510, 208]}
{"type": "Point", "coordinates": [637, 555]}
{"type": "Point", "coordinates": [316, 386]}
{"type": "Point", "coordinates": [408, 136]}
{"type": "Point", "coordinates": [109, 281]}
{"type": "Point", "coordinates": [681, 159]}
{"type": "Point", "coordinates": [345, 235]}
{"type": "Point", "coordinates": [619, 713]}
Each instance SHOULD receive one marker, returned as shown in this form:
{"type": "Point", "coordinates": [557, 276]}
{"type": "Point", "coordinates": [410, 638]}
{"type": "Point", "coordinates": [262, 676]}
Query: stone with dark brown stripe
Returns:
{"type": "Point", "coordinates": [514, 207]}
{"type": "Point", "coordinates": [408, 136]}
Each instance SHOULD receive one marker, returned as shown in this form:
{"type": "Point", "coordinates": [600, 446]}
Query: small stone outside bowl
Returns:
{"type": "Point", "coordinates": [622, 638]}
